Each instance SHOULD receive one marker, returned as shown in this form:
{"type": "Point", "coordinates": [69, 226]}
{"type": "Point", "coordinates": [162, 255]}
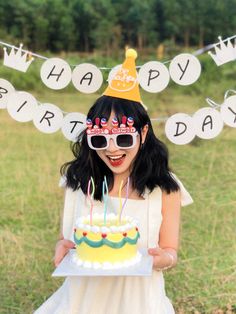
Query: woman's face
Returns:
{"type": "Point", "coordinates": [120, 160]}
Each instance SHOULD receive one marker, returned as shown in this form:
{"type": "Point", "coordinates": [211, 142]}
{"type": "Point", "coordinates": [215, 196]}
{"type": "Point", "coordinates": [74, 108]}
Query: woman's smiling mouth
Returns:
{"type": "Point", "coordinates": [116, 160]}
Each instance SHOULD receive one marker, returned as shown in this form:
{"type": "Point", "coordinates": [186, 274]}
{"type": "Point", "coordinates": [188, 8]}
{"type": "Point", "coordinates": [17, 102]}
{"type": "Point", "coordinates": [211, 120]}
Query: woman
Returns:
{"type": "Point", "coordinates": [154, 198]}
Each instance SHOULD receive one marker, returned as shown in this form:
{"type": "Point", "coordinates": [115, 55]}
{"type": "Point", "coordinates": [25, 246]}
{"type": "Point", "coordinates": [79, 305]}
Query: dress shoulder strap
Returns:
{"type": "Point", "coordinates": [154, 216]}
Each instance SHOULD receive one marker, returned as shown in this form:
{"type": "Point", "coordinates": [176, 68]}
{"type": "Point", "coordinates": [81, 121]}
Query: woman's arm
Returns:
{"type": "Point", "coordinates": [63, 245]}
{"type": "Point", "coordinates": [166, 255]}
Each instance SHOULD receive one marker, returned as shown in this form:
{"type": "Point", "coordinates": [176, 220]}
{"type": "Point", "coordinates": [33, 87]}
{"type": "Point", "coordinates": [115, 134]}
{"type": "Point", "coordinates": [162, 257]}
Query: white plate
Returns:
{"type": "Point", "coordinates": [68, 267]}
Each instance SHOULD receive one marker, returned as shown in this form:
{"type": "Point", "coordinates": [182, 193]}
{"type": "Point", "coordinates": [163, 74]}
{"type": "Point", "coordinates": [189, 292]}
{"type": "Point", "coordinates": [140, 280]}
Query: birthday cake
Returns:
{"type": "Point", "coordinates": [108, 245]}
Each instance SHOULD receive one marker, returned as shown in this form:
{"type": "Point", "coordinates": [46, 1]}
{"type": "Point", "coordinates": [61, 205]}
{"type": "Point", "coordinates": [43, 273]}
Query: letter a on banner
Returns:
{"type": "Point", "coordinates": [87, 78]}
{"type": "Point", "coordinates": [55, 73]}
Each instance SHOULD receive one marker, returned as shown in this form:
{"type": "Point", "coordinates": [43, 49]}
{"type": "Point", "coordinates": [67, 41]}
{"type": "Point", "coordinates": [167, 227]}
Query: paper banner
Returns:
{"type": "Point", "coordinates": [72, 125]}
{"type": "Point", "coordinates": [5, 90]}
{"type": "Point", "coordinates": [153, 77]}
{"type": "Point", "coordinates": [48, 118]}
{"type": "Point", "coordinates": [185, 69]}
{"type": "Point", "coordinates": [208, 123]}
{"type": "Point", "coordinates": [87, 78]}
{"type": "Point", "coordinates": [228, 111]}
{"type": "Point", "coordinates": [179, 129]}
{"type": "Point", "coordinates": [21, 106]}
{"type": "Point", "coordinates": [55, 73]}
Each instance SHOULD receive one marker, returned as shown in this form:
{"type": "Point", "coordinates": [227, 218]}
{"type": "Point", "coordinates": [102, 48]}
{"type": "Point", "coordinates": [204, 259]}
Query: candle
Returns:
{"type": "Point", "coordinates": [91, 198]}
{"type": "Point", "coordinates": [126, 198]}
{"type": "Point", "coordinates": [105, 197]}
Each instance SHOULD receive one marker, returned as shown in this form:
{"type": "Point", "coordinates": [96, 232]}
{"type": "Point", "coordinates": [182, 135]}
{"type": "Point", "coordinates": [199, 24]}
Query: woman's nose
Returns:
{"type": "Point", "coordinates": [111, 146]}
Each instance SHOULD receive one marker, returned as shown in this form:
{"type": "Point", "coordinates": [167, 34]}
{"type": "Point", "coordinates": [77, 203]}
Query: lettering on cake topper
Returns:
{"type": "Point", "coordinates": [120, 79]}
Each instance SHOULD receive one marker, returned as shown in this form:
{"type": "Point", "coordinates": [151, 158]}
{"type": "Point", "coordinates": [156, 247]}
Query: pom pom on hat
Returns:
{"type": "Point", "coordinates": [131, 53]}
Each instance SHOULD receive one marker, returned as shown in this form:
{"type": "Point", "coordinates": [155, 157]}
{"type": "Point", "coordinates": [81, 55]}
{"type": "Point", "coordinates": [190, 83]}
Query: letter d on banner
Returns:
{"type": "Point", "coordinates": [180, 129]}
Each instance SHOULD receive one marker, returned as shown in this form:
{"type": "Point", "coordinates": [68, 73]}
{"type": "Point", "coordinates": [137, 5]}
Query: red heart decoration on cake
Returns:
{"type": "Point", "coordinates": [104, 235]}
{"type": "Point", "coordinates": [125, 234]}
{"type": "Point", "coordinates": [84, 234]}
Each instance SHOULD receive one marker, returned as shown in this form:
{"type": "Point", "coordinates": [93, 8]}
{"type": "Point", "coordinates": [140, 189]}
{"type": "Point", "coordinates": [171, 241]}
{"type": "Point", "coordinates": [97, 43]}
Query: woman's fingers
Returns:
{"type": "Point", "coordinates": [62, 247]}
{"type": "Point", "coordinates": [155, 251]}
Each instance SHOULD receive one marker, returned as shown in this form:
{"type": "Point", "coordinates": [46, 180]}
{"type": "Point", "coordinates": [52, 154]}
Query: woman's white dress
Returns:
{"type": "Point", "coordinates": [114, 295]}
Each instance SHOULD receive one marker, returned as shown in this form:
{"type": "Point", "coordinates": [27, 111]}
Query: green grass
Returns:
{"type": "Point", "coordinates": [31, 201]}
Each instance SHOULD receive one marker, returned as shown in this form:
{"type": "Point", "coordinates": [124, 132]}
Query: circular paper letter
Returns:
{"type": "Point", "coordinates": [21, 106]}
{"type": "Point", "coordinates": [185, 69]}
{"type": "Point", "coordinates": [153, 76]}
{"type": "Point", "coordinates": [87, 78]}
{"type": "Point", "coordinates": [55, 73]}
{"type": "Point", "coordinates": [5, 90]}
{"type": "Point", "coordinates": [48, 118]}
{"type": "Point", "coordinates": [72, 124]}
{"type": "Point", "coordinates": [179, 129]}
{"type": "Point", "coordinates": [228, 111]}
{"type": "Point", "coordinates": [208, 123]}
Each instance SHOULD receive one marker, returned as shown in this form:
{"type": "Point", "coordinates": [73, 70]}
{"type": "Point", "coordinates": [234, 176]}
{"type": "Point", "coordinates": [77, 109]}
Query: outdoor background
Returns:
{"type": "Point", "coordinates": [31, 201]}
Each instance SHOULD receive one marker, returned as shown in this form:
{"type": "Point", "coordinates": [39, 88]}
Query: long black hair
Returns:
{"type": "Point", "coordinates": [150, 167]}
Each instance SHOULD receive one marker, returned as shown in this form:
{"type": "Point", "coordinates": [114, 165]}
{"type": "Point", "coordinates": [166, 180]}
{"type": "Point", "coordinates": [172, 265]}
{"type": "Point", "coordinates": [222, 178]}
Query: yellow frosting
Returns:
{"type": "Point", "coordinates": [106, 253]}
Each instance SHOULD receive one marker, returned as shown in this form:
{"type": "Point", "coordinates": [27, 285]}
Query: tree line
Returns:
{"type": "Point", "coordinates": [108, 25]}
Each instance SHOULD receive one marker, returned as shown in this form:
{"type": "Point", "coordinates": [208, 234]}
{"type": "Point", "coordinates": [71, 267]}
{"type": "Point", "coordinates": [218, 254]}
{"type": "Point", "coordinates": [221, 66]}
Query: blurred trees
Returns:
{"type": "Point", "coordinates": [108, 25]}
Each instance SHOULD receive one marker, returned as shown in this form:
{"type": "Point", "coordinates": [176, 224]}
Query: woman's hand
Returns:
{"type": "Point", "coordinates": [162, 258]}
{"type": "Point", "coordinates": [62, 248]}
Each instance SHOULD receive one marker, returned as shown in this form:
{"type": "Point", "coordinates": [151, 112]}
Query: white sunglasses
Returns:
{"type": "Point", "coordinates": [122, 141]}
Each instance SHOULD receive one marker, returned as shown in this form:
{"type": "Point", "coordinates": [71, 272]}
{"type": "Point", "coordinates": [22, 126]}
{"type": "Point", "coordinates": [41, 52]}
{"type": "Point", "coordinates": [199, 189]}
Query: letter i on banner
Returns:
{"type": "Point", "coordinates": [21, 106]}
{"type": "Point", "coordinates": [55, 73]}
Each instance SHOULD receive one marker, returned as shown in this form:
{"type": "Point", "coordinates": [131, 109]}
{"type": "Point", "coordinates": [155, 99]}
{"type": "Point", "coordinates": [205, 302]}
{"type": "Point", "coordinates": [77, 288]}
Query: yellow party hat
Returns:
{"type": "Point", "coordinates": [124, 83]}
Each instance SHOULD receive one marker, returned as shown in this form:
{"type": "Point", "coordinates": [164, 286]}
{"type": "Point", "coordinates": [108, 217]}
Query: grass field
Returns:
{"type": "Point", "coordinates": [31, 202]}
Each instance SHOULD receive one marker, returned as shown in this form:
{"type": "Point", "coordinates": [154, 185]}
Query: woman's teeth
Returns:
{"type": "Point", "coordinates": [115, 157]}
{"type": "Point", "coordinates": [117, 160]}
